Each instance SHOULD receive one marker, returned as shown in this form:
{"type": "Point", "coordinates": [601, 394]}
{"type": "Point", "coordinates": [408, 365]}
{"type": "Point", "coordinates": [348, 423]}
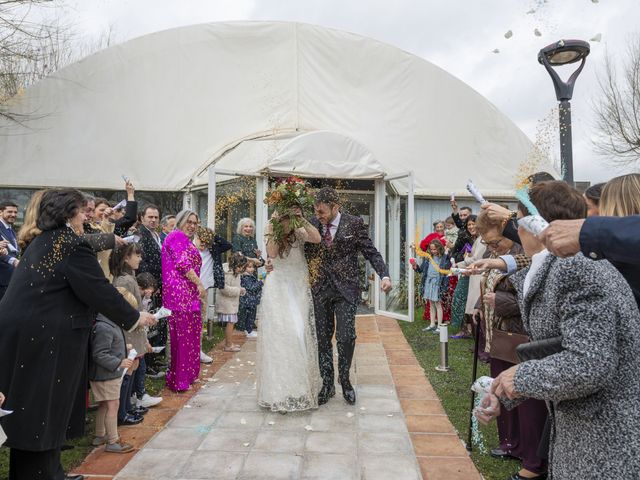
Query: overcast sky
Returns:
{"type": "Point", "coordinates": [459, 36]}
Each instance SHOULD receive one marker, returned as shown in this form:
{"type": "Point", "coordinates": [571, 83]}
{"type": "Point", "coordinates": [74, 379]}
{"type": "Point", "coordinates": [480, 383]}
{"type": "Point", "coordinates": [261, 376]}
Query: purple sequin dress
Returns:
{"type": "Point", "coordinates": [180, 295]}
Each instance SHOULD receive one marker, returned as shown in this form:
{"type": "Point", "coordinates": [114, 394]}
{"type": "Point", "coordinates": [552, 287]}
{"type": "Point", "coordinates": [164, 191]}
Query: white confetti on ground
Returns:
{"type": "Point", "coordinates": [349, 414]}
{"type": "Point", "coordinates": [308, 428]}
{"type": "Point", "coordinates": [243, 421]}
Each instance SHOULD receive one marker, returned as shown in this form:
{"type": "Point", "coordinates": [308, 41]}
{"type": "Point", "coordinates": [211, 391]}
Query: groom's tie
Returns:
{"type": "Point", "coordinates": [326, 235]}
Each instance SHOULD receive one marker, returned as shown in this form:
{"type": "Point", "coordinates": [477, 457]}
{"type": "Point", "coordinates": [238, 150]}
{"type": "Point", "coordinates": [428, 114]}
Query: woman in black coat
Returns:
{"type": "Point", "coordinates": [47, 315]}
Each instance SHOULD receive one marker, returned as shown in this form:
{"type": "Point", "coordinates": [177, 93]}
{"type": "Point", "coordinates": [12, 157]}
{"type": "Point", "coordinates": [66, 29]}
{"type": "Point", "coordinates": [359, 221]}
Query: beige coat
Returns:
{"type": "Point", "coordinates": [228, 300]}
{"type": "Point", "coordinates": [477, 253]}
{"type": "Point", "coordinates": [103, 256]}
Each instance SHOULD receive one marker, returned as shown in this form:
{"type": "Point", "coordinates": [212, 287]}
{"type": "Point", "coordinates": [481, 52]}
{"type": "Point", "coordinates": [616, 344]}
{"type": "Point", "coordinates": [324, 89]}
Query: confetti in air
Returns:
{"type": "Point", "coordinates": [509, 34]}
{"type": "Point", "coordinates": [596, 38]}
{"type": "Point", "coordinates": [537, 32]}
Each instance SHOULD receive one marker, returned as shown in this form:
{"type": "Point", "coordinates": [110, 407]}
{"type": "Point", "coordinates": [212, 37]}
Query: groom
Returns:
{"type": "Point", "coordinates": [335, 285]}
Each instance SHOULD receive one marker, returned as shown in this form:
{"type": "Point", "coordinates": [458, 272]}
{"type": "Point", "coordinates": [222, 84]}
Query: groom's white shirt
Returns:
{"type": "Point", "coordinates": [334, 225]}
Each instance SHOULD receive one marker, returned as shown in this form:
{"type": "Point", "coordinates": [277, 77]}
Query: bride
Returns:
{"type": "Point", "coordinates": [287, 363]}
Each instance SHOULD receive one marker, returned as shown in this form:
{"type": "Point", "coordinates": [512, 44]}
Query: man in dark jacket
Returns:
{"type": "Point", "coordinates": [616, 239]}
{"type": "Point", "coordinates": [335, 286]}
{"type": "Point", "coordinates": [8, 262]}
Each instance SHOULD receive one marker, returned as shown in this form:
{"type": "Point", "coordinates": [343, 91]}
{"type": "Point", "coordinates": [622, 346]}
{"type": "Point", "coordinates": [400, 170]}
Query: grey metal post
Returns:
{"type": "Point", "coordinates": [444, 349]}
{"type": "Point", "coordinates": [566, 149]}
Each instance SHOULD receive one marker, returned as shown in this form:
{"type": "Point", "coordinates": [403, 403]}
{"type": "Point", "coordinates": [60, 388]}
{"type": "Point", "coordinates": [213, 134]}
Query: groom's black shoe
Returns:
{"type": "Point", "coordinates": [328, 391]}
{"type": "Point", "coordinates": [348, 392]}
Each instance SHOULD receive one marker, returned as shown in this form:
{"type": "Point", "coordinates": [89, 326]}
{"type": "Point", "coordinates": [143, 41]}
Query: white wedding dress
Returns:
{"type": "Point", "coordinates": [288, 377]}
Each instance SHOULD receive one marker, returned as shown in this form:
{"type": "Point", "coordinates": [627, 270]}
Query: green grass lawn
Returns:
{"type": "Point", "coordinates": [74, 457]}
{"type": "Point", "coordinates": [453, 389]}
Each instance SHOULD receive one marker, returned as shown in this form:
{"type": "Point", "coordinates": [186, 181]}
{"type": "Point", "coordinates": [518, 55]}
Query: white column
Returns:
{"type": "Point", "coordinates": [187, 200]}
{"type": "Point", "coordinates": [211, 198]}
{"type": "Point", "coordinates": [380, 232]}
{"type": "Point", "coordinates": [411, 228]}
{"type": "Point", "coordinates": [262, 212]}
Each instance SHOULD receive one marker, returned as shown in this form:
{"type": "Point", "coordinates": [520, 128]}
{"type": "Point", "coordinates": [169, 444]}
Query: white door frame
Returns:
{"type": "Point", "coordinates": [380, 241]}
{"type": "Point", "coordinates": [262, 185]}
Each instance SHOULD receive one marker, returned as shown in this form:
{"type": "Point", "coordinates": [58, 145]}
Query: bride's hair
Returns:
{"type": "Point", "coordinates": [287, 240]}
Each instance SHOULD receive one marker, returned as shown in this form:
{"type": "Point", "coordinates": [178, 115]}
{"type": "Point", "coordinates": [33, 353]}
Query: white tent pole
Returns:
{"type": "Point", "coordinates": [262, 211]}
{"type": "Point", "coordinates": [211, 199]}
{"type": "Point", "coordinates": [379, 220]}
{"type": "Point", "coordinates": [187, 200]}
{"type": "Point", "coordinates": [411, 227]}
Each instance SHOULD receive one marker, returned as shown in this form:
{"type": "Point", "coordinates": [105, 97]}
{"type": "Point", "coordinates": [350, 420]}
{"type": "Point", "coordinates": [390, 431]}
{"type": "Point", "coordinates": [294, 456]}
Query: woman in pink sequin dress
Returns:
{"type": "Point", "coordinates": [181, 293]}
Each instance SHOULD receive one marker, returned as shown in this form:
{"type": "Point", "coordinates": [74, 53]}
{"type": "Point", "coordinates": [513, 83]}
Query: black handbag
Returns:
{"type": "Point", "coordinates": [539, 349]}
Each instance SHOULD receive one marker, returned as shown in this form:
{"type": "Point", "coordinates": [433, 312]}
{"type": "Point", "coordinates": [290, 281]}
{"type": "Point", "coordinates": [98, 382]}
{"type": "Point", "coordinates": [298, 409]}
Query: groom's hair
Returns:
{"type": "Point", "coordinates": [327, 195]}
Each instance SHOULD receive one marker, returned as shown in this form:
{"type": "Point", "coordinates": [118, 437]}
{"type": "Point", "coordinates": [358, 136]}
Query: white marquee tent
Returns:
{"type": "Point", "coordinates": [163, 107]}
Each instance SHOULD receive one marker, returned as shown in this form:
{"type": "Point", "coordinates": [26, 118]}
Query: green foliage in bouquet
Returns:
{"type": "Point", "coordinates": [285, 196]}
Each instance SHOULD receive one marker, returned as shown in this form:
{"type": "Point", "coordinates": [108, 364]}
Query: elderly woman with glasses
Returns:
{"type": "Point", "coordinates": [244, 241]}
{"type": "Point", "coordinates": [182, 293]}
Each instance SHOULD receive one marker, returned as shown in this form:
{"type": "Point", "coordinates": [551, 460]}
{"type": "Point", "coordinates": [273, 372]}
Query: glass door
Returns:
{"type": "Point", "coordinates": [394, 226]}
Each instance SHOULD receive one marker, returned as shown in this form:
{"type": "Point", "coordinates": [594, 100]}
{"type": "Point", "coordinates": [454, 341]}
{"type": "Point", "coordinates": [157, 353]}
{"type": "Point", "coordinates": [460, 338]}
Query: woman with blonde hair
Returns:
{"type": "Point", "coordinates": [29, 229]}
{"type": "Point", "coordinates": [621, 196]}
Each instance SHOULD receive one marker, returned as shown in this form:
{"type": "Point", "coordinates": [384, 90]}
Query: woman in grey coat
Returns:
{"type": "Point", "coordinates": [592, 386]}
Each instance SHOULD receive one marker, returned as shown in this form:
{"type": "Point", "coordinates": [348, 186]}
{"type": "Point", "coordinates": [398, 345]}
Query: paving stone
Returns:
{"type": "Point", "coordinates": [438, 445]}
{"type": "Point", "coordinates": [376, 467]}
{"type": "Point", "coordinates": [295, 421]}
{"type": "Point", "coordinates": [205, 465]}
{"type": "Point", "coordinates": [194, 418]}
{"type": "Point", "coordinates": [382, 423]}
{"type": "Point", "coordinates": [434, 468]}
{"type": "Point", "coordinates": [329, 467]}
{"type": "Point", "coordinates": [379, 405]}
{"type": "Point", "coordinates": [383, 443]}
{"type": "Point", "coordinates": [153, 464]}
{"type": "Point", "coordinates": [331, 442]}
{"type": "Point", "coordinates": [271, 466]}
{"type": "Point", "coordinates": [333, 421]}
{"type": "Point", "coordinates": [284, 442]}
{"type": "Point", "coordinates": [229, 440]}
{"type": "Point", "coordinates": [429, 424]}
{"type": "Point", "coordinates": [178, 438]}
{"type": "Point", "coordinates": [421, 407]}
{"type": "Point", "coordinates": [376, 391]}
{"type": "Point", "coordinates": [240, 420]}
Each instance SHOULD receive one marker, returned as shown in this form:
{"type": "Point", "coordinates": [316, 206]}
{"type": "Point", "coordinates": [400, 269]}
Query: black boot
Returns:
{"type": "Point", "coordinates": [325, 356]}
{"type": "Point", "coordinates": [328, 391]}
{"type": "Point", "coordinates": [345, 356]}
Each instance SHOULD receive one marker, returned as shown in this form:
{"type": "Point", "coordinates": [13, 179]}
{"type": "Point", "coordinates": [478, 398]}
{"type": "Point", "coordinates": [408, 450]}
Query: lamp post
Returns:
{"type": "Point", "coordinates": [564, 52]}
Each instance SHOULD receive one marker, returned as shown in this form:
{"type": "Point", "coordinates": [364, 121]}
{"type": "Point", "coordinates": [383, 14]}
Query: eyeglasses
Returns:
{"type": "Point", "coordinates": [493, 244]}
{"type": "Point", "coordinates": [192, 223]}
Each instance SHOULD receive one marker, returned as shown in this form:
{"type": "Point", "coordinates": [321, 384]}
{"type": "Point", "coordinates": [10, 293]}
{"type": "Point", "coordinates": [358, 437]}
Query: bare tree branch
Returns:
{"type": "Point", "coordinates": [617, 110]}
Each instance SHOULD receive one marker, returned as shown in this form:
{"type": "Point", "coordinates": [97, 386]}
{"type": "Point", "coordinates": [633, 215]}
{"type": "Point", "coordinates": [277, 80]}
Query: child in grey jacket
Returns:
{"type": "Point", "coordinates": [108, 361]}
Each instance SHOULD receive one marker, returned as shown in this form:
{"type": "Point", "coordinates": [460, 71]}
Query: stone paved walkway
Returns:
{"type": "Point", "coordinates": [396, 430]}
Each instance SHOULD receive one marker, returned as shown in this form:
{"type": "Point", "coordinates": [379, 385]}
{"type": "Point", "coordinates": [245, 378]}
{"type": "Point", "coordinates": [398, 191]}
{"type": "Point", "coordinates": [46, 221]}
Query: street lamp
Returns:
{"type": "Point", "coordinates": [564, 52]}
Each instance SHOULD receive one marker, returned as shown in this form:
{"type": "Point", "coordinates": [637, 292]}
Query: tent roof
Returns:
{"type": "Point", "coordinates": [319, 154]}
{"type": "Point", "coordinates": [162, 107]}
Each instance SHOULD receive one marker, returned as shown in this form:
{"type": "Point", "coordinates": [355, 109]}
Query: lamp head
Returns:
{"type": "Point", "coordinates": [564, 52]}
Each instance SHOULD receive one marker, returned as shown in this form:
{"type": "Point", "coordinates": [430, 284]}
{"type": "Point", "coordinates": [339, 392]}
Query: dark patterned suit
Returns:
{"type": "Point", "coordinates": [335, 286]}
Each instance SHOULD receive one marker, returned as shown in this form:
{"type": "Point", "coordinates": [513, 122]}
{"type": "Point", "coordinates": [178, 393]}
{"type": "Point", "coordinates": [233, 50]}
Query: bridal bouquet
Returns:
{"type": "Point", "coordinates": [286, 195]}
